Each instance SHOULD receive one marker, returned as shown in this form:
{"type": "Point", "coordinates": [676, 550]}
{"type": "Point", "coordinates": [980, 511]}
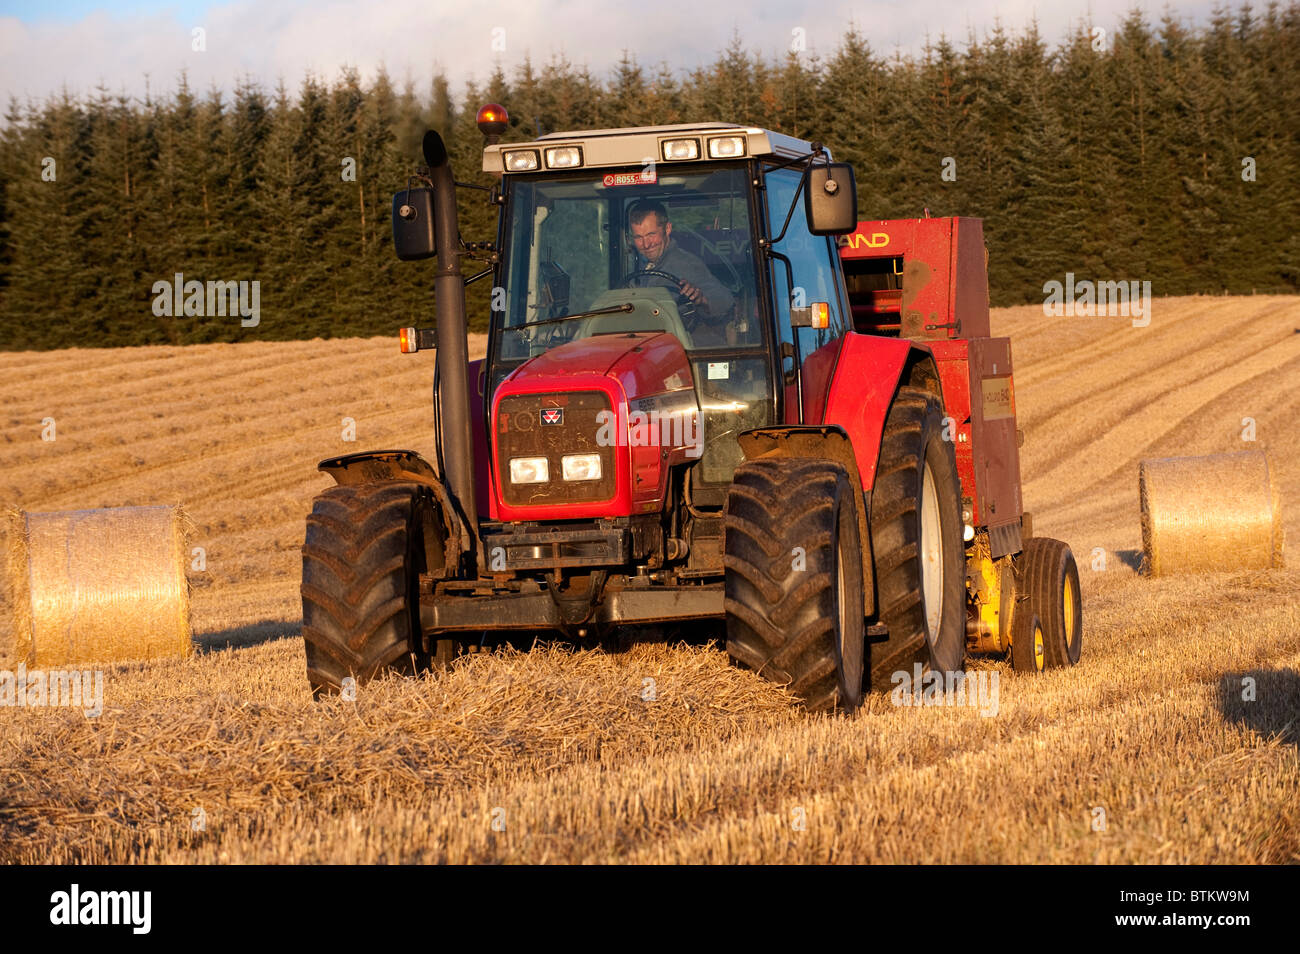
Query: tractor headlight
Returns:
{"type": "Point", "coordinates": [520, 160]}
{"type": "Point", "coordinates": [726, 147]}
{"type": "Point", "coordinates": [563, 157]}
{"type": "Point", "coordinates": [674, 149]}
{"type": "Point", "coordinates": [529, 470]}
{"type": "Point", "coordinates": [580, 466]}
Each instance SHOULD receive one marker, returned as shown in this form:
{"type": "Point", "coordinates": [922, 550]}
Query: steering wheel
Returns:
{"type": "Point", "coordinates": [685, 307]}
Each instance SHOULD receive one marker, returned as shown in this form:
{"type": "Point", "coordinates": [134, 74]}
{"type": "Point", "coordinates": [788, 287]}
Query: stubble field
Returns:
{"type": "Point", "coordinates": [1146, 752]}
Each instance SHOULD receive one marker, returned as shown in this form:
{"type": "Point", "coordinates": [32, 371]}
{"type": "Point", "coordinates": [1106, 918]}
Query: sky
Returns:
{"type": "Point", "coordinates": [130, 46]}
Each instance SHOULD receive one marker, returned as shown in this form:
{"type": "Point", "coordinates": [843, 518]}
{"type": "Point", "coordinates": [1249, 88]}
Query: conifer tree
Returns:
{"type": "Point", "coordinates": [1166, 153]}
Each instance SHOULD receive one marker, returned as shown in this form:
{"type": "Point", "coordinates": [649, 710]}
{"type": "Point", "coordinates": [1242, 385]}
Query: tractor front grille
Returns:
{"type": "Point", "coordinates": [551, 426]}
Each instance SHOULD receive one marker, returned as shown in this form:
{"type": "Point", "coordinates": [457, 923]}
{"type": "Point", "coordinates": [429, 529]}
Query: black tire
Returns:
{"type": "Point", "coordinates": [796, 616]}
{"type": "Point", "coordinates": [361, 562]}
{"type": "Point", "coordinates": [1028, 642]}
{"type": "Point", "coordinates": [933, 636]}
{"type": "Point", "coordinates": [1049, 580]}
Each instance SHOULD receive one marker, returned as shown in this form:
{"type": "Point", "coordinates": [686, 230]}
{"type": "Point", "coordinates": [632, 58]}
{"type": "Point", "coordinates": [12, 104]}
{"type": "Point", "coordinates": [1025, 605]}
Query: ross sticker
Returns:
{"type": "Point", "coordinates": [999, 398]}
{"type": "Point", "coordinates": [719, 370]}
{"type": "Point", "coordinates": [630, 178]}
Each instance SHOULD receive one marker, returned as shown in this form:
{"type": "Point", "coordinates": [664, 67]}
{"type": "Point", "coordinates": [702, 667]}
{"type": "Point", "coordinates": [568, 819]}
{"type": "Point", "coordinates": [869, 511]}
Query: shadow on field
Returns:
{"type": "Point", "coordinates": [1131, 559]}
{"type": "Point", "coordinates": [253, 634]}
{"type": "Point", "coordinates": [1265, 700]}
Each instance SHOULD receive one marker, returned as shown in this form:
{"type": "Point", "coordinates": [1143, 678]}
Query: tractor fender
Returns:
{"type": "Point", "coordinates": [369, 466]}
{"type": "Point", "coordinates": [832, 443]}
{"type": "Point", "coordinates": [867, 376]}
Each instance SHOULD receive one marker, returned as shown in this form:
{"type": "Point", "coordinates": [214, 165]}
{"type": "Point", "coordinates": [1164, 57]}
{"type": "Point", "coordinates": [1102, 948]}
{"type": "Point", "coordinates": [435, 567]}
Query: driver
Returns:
{"type": "Point", "coordinates": [652, 236]}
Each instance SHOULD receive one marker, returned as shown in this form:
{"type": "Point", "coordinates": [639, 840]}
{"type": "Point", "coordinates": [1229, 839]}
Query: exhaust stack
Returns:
{"type": "Point", "coordinates": [453, 341]}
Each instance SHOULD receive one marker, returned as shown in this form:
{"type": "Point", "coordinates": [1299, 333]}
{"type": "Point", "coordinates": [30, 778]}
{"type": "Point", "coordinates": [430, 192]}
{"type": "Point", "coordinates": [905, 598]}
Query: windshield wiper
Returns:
{"type": "Point", "coordinates": [615, 310]}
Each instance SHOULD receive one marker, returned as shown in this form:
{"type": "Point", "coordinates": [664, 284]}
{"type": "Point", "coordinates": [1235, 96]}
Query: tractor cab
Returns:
{"type": "Point", "coordinates": [692, 231]}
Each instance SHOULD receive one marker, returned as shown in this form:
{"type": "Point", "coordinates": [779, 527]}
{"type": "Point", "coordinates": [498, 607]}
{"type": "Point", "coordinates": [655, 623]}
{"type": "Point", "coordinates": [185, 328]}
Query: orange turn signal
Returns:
{"type": "Point", "coordinates": [815, 314]}
{"type": "Point", "coordinates": [417, 339]}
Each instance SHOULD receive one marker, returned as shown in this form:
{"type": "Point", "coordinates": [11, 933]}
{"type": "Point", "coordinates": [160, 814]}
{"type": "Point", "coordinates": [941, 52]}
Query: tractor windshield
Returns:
{"type": "Point", "coordinates": [675, 246]}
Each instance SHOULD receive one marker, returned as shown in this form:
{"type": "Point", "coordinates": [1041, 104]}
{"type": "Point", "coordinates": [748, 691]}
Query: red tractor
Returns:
{"type": "Point", "coordinates": [709, 396]}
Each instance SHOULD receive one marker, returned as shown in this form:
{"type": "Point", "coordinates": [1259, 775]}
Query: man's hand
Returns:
{"type": "Point", "coordinates": [694, 294]}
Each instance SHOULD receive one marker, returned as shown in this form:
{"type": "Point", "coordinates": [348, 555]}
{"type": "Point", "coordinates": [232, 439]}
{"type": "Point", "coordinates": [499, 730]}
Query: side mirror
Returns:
{"type": "Point", "coordinates": [831, 199]}
{"type": "Point", "coordinates": [413, 236]}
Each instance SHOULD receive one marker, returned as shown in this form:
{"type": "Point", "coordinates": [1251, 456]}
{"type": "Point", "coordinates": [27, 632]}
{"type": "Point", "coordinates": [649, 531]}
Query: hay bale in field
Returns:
{"type": "Point", "coordinates": [15, 619]}
{"type": "Point", "coordinates": [1219, 512]}
{"type": "Point", "coordinates": [98, 586]}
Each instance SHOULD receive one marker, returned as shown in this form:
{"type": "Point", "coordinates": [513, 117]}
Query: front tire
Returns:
{"type": "Point", "coordinates": [916, 535]}
{"type": "Point", "coordinates": [793, 560]}
{"type": "Point", "coordinates": [361, 562]}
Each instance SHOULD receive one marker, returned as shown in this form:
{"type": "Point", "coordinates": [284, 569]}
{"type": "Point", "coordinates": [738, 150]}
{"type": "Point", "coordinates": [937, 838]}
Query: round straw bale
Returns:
{"type": "Point", "coordinates": [104, 586]}
{"type": "Point", "coordinates": [15, 614]}
{"type": "Point", "coordinates": [1213, 513]}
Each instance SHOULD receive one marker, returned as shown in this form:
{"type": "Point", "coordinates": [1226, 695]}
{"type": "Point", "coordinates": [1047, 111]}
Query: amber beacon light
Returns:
{"type": "Point", "coordinates": [492, 121]}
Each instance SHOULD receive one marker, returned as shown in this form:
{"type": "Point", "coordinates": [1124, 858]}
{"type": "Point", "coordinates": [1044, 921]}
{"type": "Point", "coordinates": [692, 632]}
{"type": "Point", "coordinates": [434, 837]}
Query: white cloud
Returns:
{"type": "Point", "coordinates": [270, 40]}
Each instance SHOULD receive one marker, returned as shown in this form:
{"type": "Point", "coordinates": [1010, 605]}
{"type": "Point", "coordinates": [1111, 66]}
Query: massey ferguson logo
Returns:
{"type": "Point", "coordinates": [552, 415]}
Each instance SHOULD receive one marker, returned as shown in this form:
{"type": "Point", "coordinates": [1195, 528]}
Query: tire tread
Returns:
{"type": "Point", "coordinates": [913, 422]}
{"type": "Point", "coordinates": [359, 562]}
{"type": "Point", "coordinates": [780, 621]}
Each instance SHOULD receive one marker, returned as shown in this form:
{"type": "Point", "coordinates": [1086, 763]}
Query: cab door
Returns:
{"type": "Point", "coordinates": [808, 354]}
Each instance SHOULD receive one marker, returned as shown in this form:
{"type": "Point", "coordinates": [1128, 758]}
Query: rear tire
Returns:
{"type": "Point", "coordinates": [793, 562]}
{"type": "Point", "coordinates": [916, 536]}
{"type": "Point", "coordinates": [1049, 578]}
{"type": "Point", "coordinates": [361, 562]}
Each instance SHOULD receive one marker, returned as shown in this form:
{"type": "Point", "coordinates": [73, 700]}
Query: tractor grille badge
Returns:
{"type": "Point", "coordinates": [552, 415]}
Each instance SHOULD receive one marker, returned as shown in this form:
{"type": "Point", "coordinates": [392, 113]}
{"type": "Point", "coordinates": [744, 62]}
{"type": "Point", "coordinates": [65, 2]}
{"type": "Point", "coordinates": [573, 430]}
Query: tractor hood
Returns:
{"type": "Point", "coordinates": [591, 428]}
{"type": "Point", "coordinates": [585, 355]}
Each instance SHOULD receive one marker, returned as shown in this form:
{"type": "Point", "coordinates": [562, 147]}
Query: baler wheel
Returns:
{"type": "Point", "coordinates": [916, 536]}
{"type": "Point", "coordinates": [1049, 578]}
{"type": "Point", "coordinates": [793, 560]}
{"type": "Point", "coordinates": [1028, 642]}
{"type": "Point", "coordinates": [360, 584]}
